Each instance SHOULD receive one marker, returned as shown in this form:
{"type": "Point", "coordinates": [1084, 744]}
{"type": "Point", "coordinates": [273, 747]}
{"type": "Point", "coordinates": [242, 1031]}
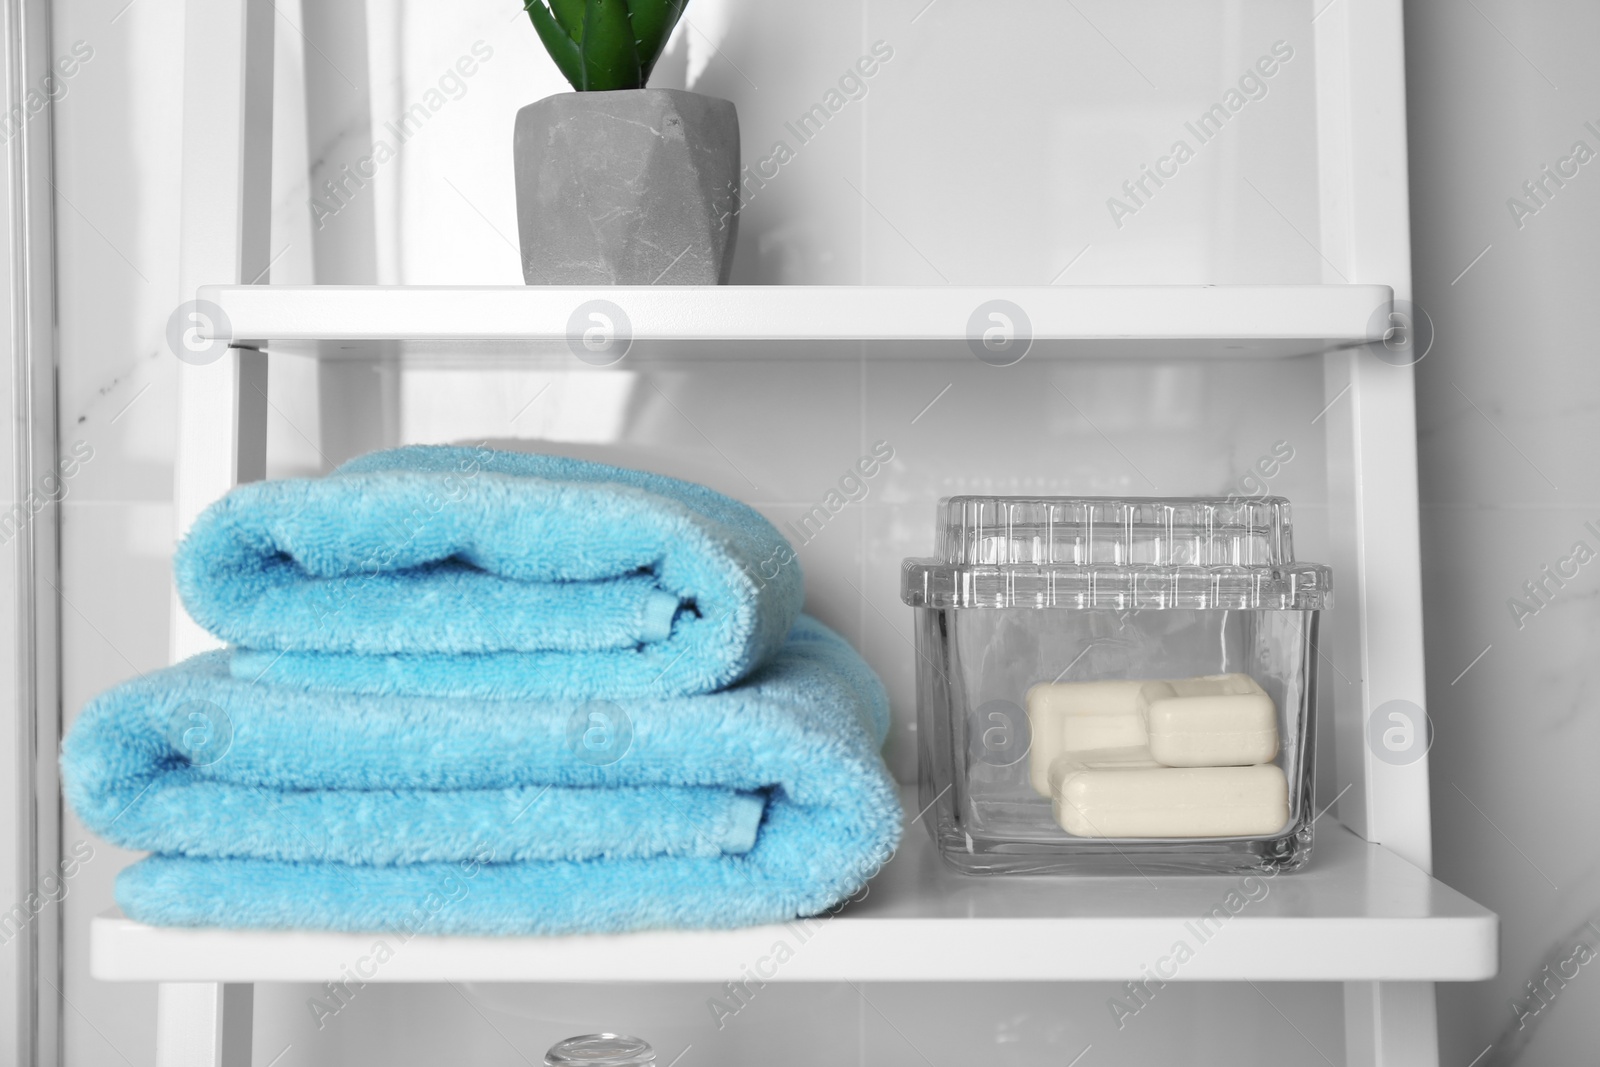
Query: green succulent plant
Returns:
{"type": "Point", "coordinates": [605, 44]}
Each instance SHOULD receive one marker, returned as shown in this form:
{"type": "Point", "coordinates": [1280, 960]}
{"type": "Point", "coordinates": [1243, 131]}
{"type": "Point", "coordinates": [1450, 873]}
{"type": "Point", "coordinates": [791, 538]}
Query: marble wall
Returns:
{"type": "Point", "coordinates": [1506, 413]}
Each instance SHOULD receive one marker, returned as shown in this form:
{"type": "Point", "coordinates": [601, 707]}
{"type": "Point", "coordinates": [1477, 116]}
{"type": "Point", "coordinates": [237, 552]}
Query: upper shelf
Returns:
{"type": "Point", "coordinates": [1357, 913]}
{"type": "Point", "coordinates": [1086, 322]}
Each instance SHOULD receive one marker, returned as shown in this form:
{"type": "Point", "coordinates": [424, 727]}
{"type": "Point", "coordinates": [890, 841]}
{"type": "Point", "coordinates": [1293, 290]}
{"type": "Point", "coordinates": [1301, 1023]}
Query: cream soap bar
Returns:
{"type": "Point", "coordinates": [1221, 720]}
{"type": "Point", "coordinates": [1076, 718]}
{"type": "Point", "coordinates": [1154, 801]}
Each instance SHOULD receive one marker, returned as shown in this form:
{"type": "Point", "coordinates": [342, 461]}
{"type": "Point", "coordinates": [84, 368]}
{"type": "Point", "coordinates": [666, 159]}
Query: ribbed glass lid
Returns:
{"type": "Point", "coordinates": [1120, 553]}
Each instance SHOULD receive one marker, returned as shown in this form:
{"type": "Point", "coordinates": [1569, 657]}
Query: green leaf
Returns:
{"type": "Point", "coordinates": [570, 14]}
{"type": "Point", "coordinates": [653, 22]}
{"type": "Point", "coordinates": [610, 58]}
{"type": "Point", "coordinates": [562, 48]}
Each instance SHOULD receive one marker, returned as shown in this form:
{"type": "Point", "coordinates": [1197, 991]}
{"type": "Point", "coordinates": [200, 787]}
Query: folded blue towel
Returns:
{"type": "Point", "coordinates": [277, 806]}
{"type": "Point", "coordinates": [472, 572]}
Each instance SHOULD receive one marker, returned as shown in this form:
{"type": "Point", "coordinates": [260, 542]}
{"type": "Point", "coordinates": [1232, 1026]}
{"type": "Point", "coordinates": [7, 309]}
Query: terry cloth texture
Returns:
{"type": "Point", "coordinates": [472, 572]}
{"type": "Point", "coordinates": [274, 805]}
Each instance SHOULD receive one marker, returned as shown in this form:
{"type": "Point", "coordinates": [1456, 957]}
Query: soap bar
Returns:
{"type": "Point", "coordinates": [1221, 720]}
{"type": "Point", "coordinates": [1077, 718]}
{"type": "Point", "coordinates": [1152, 801]}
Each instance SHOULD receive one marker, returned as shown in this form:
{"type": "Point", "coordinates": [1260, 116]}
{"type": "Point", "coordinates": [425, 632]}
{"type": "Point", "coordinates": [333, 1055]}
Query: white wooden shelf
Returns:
{"type": "Point", "coordinates": [1200, 321]}
{"type": "Point", "coordinates": [1358, 913]}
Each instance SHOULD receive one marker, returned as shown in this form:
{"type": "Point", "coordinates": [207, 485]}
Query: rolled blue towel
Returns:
{"type": "Point", "coordinates": [473, 572]}
{"type": "Point", "coordinates": [279, 806]}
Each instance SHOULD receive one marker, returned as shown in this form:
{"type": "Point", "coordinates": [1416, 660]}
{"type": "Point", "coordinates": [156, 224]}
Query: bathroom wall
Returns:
{"type": "Point", "coordinates": [1506, 414]}
{"type": "Point", "coordinates": [986, 149]}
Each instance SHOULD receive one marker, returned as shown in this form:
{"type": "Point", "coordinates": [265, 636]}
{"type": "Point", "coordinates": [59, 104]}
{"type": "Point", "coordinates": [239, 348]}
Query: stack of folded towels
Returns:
{"type": "Point", "coordinates": [472, 691]}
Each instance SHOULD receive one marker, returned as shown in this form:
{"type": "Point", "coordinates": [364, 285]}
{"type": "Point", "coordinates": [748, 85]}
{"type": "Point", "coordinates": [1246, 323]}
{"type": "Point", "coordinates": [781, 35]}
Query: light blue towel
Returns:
{"type": "Point", "coordinates": [277, 806]}
{"type": "Point", "coordinates": [472, 572]}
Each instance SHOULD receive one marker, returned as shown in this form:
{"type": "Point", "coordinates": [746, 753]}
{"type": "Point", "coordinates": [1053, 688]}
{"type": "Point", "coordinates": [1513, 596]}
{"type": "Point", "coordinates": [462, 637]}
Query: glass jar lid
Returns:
{"type": "Point", "coordinates": [1133, 553]}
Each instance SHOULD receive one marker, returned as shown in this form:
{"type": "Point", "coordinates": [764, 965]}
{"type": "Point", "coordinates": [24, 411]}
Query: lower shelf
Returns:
{"type": "Point", "coordinates": [1358, 912]}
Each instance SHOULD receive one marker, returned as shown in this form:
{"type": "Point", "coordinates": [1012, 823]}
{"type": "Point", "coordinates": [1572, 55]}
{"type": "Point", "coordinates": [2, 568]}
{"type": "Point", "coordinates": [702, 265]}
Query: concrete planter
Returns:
{"type": "Point", "coordinates": [636, 187]}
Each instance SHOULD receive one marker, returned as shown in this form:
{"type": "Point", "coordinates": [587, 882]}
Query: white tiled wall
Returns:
{"type": "Point", "coordinates": [779, 435]}
{"type": "Point", "coordinates": [984, 150]}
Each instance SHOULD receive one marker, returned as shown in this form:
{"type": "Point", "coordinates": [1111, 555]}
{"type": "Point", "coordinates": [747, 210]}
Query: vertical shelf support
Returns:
{"type": "Point", "coordinates": [204, 1024]}
{"type": "Point", "coordinates": [1366, 226]}
{"type": "Point", "coordinates": [226, 233]}
{"type": "Point", "coordinates": [1376, 635]}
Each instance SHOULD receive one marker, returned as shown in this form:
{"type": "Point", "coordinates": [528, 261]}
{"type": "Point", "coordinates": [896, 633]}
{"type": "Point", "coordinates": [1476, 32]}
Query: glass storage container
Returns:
{"type": "Point", "coordinates": [1116, 685]}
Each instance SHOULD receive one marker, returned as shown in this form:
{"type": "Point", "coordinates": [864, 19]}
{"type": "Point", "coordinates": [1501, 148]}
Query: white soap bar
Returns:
{"type": "Point", "coordinates": [1155, 801]}
{"type": "Point", "coordinates": [1221, 720]}
{"type": "Point", "coordinates": [1077, 718]}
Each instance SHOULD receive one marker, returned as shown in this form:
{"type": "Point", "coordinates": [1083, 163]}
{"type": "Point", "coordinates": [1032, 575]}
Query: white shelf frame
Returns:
{"type": "Point", "coordinates": [1376, 633]}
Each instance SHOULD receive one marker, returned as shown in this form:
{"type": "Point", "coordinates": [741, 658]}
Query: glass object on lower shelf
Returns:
{"type": "Point", "coordinates": [600, 1050]}
{"type": "Point", "coordinates": [1119, 686]}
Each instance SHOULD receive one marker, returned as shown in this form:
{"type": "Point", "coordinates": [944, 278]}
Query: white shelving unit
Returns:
{"type": "Point", "coordinates": [1366, 913]}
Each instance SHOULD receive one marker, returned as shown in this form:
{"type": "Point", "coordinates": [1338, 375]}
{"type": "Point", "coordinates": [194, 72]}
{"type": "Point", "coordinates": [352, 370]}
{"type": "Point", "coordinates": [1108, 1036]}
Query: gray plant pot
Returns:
{"type": "Point", "coordinates": [635, 187]}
